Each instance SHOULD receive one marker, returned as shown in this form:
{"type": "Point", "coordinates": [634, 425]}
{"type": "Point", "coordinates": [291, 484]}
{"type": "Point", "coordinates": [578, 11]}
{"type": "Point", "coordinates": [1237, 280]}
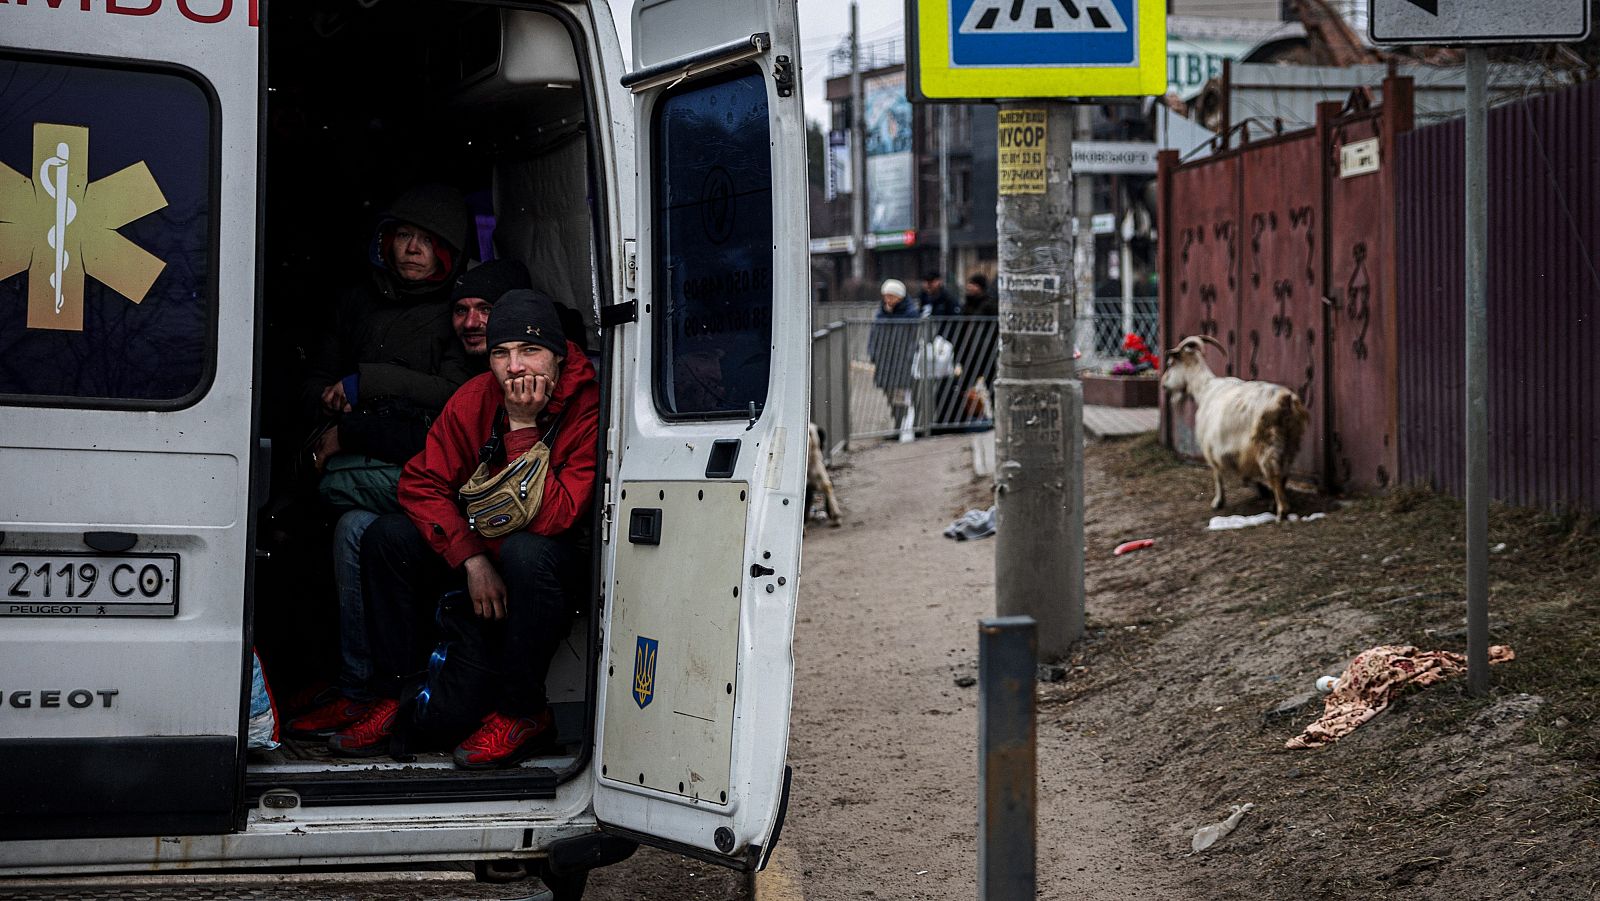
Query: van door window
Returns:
{"type": "Point", "coordinates": [106, 196]}
{"type": "Point", "coordinates": [713, 218]}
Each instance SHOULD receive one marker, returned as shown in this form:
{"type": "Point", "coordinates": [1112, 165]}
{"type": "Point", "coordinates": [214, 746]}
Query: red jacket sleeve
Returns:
{"type": "Point", "coordinates": [429, 482]}
{"type": "Point", "coordinates": [569, 487]}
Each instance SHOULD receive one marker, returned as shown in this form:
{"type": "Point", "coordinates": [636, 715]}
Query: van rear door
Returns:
{"type": "Point", "coordinates": [696, 662]}
{"type": "Point", "coordinates": [127, 323]}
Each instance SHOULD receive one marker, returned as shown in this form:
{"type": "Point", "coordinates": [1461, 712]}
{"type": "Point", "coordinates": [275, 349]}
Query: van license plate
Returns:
{"type": "Point", "coordinates": [88, 585]}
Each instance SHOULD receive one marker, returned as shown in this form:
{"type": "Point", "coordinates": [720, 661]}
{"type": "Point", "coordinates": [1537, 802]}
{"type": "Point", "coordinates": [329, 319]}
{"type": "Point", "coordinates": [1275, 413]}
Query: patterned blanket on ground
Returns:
{"type": "Point", "coordinates": [1375, 678]}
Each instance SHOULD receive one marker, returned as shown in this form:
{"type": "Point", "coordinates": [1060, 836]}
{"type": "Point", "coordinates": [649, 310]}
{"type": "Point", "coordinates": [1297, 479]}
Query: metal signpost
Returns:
{"type": "Point", "coordinates": [1030, 57]}
{"type": "Point", "coordinates": [1474, 23]}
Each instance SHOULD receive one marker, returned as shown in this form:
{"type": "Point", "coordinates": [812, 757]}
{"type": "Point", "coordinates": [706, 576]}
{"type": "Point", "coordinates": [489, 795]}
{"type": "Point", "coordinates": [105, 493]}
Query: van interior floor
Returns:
{"type": "Point", "coordinates": [297, 755]}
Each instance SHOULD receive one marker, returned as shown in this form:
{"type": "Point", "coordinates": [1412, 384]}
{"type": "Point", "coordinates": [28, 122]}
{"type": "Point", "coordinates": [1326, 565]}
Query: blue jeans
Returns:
{"type": "Point", "coordinates": [355, 665]}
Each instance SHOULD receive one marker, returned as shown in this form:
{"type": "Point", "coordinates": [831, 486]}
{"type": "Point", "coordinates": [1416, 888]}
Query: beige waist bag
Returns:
{"type": "Point", "coordinates": [507, 501]}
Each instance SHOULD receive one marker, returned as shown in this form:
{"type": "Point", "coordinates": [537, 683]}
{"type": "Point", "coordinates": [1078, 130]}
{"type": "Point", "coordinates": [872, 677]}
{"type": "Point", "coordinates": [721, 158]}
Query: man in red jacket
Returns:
{"type": "Point", "coordinates": [540, 387]}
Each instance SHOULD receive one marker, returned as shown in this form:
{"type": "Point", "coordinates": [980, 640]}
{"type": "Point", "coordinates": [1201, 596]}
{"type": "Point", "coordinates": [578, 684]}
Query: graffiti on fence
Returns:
{"type": "Point", "coordinates": [1358, 299]}
{"type": "Point", "coordinates": [1300, 217]}
{"type": "Point", "coordinates": [1187, 238]}
{"type": "Point", "coordinates": [1208, 300]}
{"type": "Point", "coordinates": [1260, 224]}
{"type": "Point", "coordinates": [1282, 325]}
{"type": "Point", "coordinates": [1224, 231]}
{"type": "Point", "coordinates": [1306, 397]}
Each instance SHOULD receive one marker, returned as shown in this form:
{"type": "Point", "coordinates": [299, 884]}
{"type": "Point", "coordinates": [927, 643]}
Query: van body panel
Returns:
{"type": "Point", "coordinates": [723, 291]}
{"type": "Point", "coordinates": [163, 469]}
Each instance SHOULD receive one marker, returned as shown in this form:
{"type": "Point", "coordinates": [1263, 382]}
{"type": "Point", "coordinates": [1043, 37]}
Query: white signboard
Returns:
{"type": "Point", "coordinates": [1478, 21]}
{"type": "Point", "coordinates": [1114, 158]}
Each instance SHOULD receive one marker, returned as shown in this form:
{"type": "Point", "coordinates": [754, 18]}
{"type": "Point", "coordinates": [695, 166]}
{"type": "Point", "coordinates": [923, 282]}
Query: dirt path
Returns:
{"type": "Point", "coordinates": [1162, 721]}
{"type": "Point", "coordinates": [883, 741]}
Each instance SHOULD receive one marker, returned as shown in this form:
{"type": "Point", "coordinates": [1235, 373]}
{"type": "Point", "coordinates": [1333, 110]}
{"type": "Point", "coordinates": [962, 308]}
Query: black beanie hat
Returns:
{"type": "Point", "coordinates": [491, 280]}
{"type": "Point", "coordinates": [527, 315]}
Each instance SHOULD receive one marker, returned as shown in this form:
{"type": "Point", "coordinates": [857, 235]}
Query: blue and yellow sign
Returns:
{"type": "Point", "coordinates": [1017, 49]}
{"type": "Point", "coordinates": [644, 671]}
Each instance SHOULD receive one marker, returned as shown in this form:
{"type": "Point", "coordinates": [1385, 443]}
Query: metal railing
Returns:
{"type": "Point", "coordinates": [830, 386]}
{"type": "Point", "coordinates": [923, 375]}
{"type": "Point", "coordinates": [1103, 325]}
{"type": "Point", "coordinates": [872, 378]}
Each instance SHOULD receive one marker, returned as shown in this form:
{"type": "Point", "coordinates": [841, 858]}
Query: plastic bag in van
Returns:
{"type": "Point", "coordinates": [263, 734]}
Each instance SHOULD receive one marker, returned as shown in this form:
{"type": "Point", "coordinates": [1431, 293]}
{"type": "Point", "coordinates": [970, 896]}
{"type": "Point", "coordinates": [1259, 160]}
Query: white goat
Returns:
{"type": "Point", "coordinates": [817, 479]}
{"type": "Point", "coordinates": [1248, 428]}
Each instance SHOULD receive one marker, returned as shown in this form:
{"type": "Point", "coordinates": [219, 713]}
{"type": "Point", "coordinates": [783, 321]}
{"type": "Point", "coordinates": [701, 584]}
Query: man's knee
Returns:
{"type": "Point", "coordinates": [351, 526]}
{"type": "Point", "coordinates": [392, 538]}
{"type": "Point", "coordinates": [526, 555]}
{"type": "Point", "coordinates": [540, 564]}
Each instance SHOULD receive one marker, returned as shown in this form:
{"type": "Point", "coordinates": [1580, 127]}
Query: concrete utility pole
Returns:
{"type": "Point", "coordinates": [1477, 276]}
{"type": "Point", "coordinates": [858, 158]}
{"type": "Point", "coordinates": [1039, 401]}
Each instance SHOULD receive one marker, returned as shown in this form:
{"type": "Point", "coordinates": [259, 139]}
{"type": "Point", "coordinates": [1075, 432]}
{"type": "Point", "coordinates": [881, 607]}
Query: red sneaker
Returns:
{"type": "Point", "coordinates": [504, 741]}
{"type": "Point", "coordinates": [327, 719]}
{"type": "Point", "coordinates": [368, 736]}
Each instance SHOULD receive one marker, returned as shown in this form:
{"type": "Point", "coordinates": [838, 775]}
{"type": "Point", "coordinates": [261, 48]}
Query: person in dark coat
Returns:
{"type": "Point", "coordinates": [390, 335]}
{"type": "Point", "coordinates": [892, 345]}
{"type": "Point", "coordinates": [978, 349]}
{"type": "Point", "coordinates": [934, 300]}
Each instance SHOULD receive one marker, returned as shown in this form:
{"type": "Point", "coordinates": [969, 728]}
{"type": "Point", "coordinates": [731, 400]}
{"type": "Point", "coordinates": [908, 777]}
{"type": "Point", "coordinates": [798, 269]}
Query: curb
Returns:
{"type": "Point", "coordinates": [780, 881]}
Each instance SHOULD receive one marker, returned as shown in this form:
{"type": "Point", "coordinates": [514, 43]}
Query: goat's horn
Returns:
{"type": "Point", "coordinates": [1210, 340]}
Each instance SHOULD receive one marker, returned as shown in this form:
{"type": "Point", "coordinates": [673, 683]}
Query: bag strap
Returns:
{"type": "Point", "coordinates": [495, 447]}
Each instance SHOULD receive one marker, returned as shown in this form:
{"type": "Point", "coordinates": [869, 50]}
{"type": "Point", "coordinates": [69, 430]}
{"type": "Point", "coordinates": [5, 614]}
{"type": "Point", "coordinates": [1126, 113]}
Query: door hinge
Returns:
{"type": "Point", "coordinates": [783, 75]}
{"type": "Point", "coordinates": [615, 314]}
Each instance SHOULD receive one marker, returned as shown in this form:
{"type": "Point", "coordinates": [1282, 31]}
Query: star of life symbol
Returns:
{"type": "Point", "coordinates": [1043, 17]}
{"type": "Point", "coordinates": [61, 227]}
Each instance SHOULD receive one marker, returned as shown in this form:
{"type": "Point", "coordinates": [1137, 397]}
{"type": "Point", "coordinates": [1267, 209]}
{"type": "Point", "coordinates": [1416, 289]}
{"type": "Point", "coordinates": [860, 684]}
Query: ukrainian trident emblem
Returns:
{"type": "Point", "coordinates": [61, 227]}
{"type": "Point", "coordinates": [644, 671]}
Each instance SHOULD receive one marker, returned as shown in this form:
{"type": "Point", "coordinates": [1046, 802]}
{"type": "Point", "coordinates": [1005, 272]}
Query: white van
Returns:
{"type": "Point", "coordinates": [182, 186]}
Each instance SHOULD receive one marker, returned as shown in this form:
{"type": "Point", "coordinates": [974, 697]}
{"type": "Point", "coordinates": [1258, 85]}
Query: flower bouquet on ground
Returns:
{"type": "Point", "coordinates": [1139, 358]}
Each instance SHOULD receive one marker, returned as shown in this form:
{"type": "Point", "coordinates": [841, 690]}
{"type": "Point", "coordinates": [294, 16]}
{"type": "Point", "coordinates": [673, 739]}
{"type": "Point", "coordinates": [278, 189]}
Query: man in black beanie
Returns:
{"type": "Point", "coordinates": [475, 293]}
{"type": "Point", "coordinates": [540, 387]}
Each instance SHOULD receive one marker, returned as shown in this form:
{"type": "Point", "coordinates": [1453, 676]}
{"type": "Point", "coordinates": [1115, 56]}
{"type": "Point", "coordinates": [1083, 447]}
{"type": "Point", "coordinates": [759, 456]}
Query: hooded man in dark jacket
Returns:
{"type": "Point", "coordinates": [390, 336]}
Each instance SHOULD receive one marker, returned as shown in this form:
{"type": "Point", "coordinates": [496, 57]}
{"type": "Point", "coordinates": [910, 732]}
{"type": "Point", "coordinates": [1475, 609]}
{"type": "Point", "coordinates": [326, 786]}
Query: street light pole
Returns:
{"type": "Point", "coordinates": [858, 162]}
{"type": "Point", "coordinates": [1477, 275]}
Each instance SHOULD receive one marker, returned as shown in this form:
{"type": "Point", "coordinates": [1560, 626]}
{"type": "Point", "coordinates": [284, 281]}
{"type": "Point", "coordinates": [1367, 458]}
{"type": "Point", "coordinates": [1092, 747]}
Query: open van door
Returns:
{"type": "Point", "coordinates": [706, 501]}
{"type": "Point", "coordinates": [127, 356]}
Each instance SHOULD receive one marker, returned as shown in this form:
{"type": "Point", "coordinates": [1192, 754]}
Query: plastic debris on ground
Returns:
{"type": "Point", "coordinates": [1210, 835]}
{"type": "Point", "coordinates": [1128, 547]}
{"type": "Point", "coordinates": [1374, 679]}
{"type": "Point", "coordinates": [1241, 521]}
{"type": "Point", "coordinates": [974, 524]}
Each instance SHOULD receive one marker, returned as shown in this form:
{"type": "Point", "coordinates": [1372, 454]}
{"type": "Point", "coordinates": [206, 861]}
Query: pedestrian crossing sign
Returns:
{"type": "Point", "coordinates": [1017, 49]}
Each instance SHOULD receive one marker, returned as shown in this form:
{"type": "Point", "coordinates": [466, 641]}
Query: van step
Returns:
{"type": "Point", "coordinates": [359, 886]}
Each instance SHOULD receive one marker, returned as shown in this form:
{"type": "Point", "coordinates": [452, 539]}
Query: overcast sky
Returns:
{"type": "Point", "coordinates": [824, 24]}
